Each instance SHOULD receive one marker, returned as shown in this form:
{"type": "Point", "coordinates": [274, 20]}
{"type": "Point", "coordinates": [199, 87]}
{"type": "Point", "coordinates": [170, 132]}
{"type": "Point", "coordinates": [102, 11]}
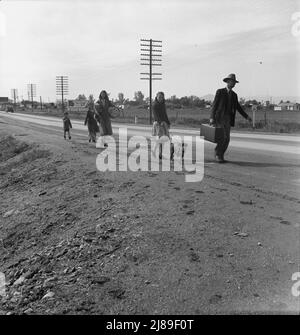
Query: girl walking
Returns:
{"type": "Point", "coordinates": [91, 122]}
{"type": "Point", "coordinates": [161, 124]}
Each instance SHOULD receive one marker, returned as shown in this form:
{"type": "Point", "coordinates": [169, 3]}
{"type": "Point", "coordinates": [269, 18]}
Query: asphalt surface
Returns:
{"type": "Point", "coordinates": [269, 161]}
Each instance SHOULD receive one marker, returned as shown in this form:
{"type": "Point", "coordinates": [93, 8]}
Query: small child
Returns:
{"type": "Point", "coordinates": [67, 125]}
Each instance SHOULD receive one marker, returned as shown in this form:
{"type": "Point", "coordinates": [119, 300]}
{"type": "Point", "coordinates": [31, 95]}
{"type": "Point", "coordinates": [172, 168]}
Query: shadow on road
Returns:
{"type": "Point", "coordinates": [263, 165]}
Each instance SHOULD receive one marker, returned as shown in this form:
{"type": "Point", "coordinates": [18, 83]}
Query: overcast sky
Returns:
{"type": "Point", "coordinates": [96, 43]}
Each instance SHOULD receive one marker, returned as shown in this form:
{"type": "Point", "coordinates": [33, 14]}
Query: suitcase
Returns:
{"type": "Point", "coordinates": [211, 133]}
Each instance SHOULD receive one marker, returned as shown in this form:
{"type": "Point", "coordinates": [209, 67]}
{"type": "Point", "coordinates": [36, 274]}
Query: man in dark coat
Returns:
{"type": "Point", "coordinates": [223, 113]}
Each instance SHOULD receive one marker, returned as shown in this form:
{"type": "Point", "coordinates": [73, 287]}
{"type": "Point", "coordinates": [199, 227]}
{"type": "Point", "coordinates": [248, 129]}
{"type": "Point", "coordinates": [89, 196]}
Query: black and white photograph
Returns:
{"type": "Point", "coordinates": [149, 160]}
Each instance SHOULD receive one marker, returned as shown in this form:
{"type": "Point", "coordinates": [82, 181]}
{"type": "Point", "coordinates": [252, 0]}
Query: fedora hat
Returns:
{"type": "Point", "coordinates": [230, 76]}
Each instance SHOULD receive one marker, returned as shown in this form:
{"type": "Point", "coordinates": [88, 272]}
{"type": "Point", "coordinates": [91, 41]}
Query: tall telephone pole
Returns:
{"type": "Point", "coordinates": [14, 95]}
{"type": "Point", "coordinates": [62, 88]}
{"type": "Point", "coordinates": [151, 49]}
{"type": "Point", "coordinates": [31, 89]}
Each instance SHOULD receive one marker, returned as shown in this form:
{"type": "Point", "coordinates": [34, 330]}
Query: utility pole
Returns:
{"type": "Point", "coordinates": [153, 55]}
{"type": "Point", "coordinates": [14, 95]}
{"type": "Point", "coordinates": [265, 107]}
{"type": "Point", "coordinates": [254, 110]}
{"type": "Point", "coordinates": [31, 88]}
{"type": "Point", "coordinates": [41, 103]}
{"type": "Point", "coordinates": [62, 88]}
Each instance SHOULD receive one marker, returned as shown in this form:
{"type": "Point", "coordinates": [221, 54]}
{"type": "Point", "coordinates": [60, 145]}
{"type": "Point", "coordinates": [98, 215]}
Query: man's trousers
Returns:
{"type": "Point", "coordinates": [223, 145]}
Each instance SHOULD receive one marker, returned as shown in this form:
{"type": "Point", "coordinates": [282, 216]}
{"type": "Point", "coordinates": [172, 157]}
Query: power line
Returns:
{"type": "Point", "coordinates": [31, 90]}
{"type": "Point", "coordinates": [14, 95]}
{"type": "Point", "coordinates": [153, 54]}
{"type": "Point", "coordinates": [62, 88]}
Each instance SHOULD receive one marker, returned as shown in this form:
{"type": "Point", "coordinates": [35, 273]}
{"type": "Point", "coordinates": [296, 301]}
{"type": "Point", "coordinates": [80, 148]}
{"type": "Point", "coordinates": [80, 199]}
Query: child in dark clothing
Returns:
{"type": "Point", "coordinates": [67, 125]}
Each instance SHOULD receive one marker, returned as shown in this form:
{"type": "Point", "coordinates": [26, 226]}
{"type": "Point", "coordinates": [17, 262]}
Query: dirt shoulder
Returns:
{"type": "Point", "coordinates": [74, 240]}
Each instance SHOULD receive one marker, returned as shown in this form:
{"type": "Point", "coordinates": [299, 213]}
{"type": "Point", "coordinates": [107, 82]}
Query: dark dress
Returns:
{"type": "Point", "coordinates": [92, 125]}
{"type": "Point", "coordinates": [103, 117]}
{"type": "Point", "coordinates": [161, 122]}
{"type": "Point", "coordinates": [67, 123]}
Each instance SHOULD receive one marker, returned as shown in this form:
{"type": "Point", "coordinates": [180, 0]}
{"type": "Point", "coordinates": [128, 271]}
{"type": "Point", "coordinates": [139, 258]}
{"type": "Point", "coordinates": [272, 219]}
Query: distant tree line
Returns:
{"type": "Point", "coordinates": [173, 102]}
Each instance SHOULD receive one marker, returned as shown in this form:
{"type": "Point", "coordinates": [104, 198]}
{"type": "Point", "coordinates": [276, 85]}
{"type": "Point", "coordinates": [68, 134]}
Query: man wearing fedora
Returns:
{"type": "Point", "coordinates": [223, 112]}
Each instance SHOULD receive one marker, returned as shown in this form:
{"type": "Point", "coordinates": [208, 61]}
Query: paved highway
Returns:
{"type": "Point", "coordinates": [281, 144]}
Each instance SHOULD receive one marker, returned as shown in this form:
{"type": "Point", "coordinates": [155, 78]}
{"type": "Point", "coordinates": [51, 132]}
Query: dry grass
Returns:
{"type": "Point", "coordinates": [10, 147]}
{"type": "Point", "coordinates": [13, 153]}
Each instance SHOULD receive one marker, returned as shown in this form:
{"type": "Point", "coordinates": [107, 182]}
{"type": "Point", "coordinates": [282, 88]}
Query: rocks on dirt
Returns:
{"type": "Point", "coordinates": [49, 295]}
{"type": "Point", "coordinates": [28, 311]}
{"type": "Point", "coordinates": [190, 212]}
{"type": "Point", "coordinates": [247, 202]}
{"type": "Point", "coordinates": [215, 299]}
{"type": "Point", "coordinates": [16, 296]}
{"type": "Point", "coordinates": [11, 212]}
{"type": "Point", "coordinates": [117, 293]}
{"type": "Point", "coordinates": [194, 257]}
{"type": "Point", "coordinates": [100, 280]}
{"type": "Point", "coordinates": [19, 281]}
{"type": "Point", "coordinates": [241, 234]}
{"type": "Point", "coordinates": [51, 279]}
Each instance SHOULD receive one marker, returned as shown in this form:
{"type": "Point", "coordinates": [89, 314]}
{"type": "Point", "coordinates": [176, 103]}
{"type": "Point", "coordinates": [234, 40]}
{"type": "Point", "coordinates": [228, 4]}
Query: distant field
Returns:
{"type": "Point", "coordinates": [197, 115]}
{"type": "Point", "coordinates": [269, 120]}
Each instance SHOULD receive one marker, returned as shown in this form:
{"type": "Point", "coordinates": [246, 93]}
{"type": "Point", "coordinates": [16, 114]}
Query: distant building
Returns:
{"type": "Point", "coordinates": [266, 103]}
{"type": "Point", "coordinates": [4, 102]}
{"type": "Point", "coordinates": [77, 105]}
{"type": "Point", "coordinates": [290, 106]}
{"type": "Point", "coordinates": [29, 104]}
